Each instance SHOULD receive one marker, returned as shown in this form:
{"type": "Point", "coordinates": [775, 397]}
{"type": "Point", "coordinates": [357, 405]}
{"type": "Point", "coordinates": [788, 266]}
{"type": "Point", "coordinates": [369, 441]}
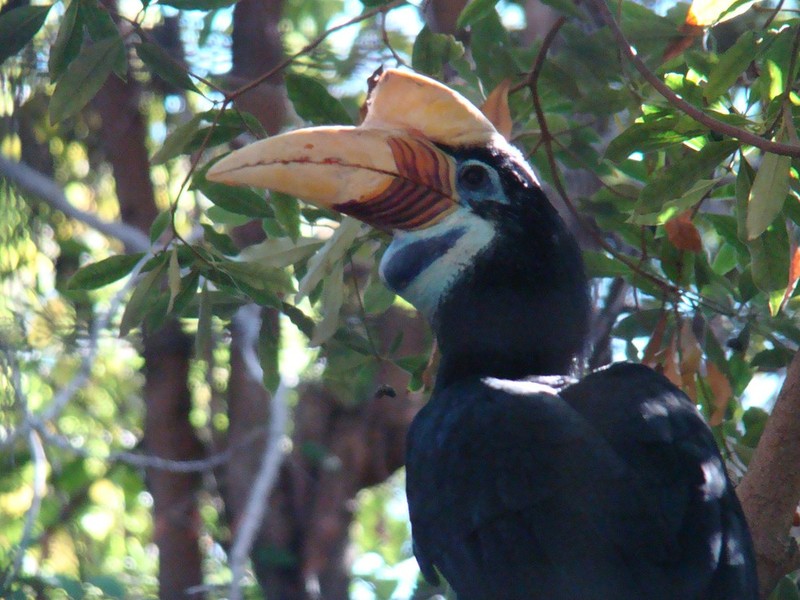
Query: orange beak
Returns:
{"type": "Point", "coordinates": [389, 172]}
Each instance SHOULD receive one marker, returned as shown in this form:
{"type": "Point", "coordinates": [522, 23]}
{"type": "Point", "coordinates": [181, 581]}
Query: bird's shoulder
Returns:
{"type": "Point", "coordinates": [622, 449]}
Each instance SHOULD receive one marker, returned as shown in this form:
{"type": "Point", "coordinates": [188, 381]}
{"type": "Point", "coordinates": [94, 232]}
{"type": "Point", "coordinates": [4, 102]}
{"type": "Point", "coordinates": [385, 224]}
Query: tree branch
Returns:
{"type": "Point", "coordinates": [692, 111]}
{"type": "Point", "coordinates": [36, 184]}
{"type": "Point", "coordinates": [257, 502]}
{"type": "Point", "coordinates": [770, 489]}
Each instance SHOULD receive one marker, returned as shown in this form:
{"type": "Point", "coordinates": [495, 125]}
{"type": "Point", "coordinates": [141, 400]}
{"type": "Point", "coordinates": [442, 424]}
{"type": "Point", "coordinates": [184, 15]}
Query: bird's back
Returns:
{"type": "Point", "coordinates": [611, 487]}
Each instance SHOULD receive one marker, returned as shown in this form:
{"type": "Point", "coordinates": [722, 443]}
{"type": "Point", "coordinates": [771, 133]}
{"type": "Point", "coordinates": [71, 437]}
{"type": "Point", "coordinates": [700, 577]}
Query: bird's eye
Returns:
{"type": "Point", "coordinates": [474, 176]}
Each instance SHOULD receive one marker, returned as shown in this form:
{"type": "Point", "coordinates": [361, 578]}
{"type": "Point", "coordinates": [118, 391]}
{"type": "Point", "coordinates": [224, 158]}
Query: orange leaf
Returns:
{"type": "Point", "coordinates": [689, 33]}
{"type": "Point", "coordinates": [496, 109]}
{"type": "Point", "coordinates": [682, 233]}
{"type": "Point", "coordinates": [794, 272]}
{"type": "Point", "coordinates": [690, 357]}
{"type": "Point", "coordinates": [721, 392]}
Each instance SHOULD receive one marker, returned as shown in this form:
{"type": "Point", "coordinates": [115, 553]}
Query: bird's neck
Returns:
{"type": "Point", "coordinates": [520, 310]}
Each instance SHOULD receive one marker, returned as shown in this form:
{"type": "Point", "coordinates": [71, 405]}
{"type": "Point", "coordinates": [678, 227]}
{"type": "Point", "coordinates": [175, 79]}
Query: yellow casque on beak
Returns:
{"type": "Point", "coordinates": [387, 172]}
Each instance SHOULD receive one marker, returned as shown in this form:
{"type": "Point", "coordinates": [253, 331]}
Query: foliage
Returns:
{"type": "Point", "coordinates": [697, 221]}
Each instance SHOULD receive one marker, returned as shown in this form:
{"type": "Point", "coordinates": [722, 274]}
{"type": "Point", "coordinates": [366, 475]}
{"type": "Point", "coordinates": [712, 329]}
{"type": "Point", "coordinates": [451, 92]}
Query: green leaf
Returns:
{"type": "Point", "coordinates": [83, 78]}
{"type": "Point", "coordinates": [313, 103]}
{"type": "Point", "coordinates": [239, 200]}
{"type": "Point", "coordinates": [785, 590]}
{"type": "Point", "coordinates": [188, 290]}
{"type": "Point", "coordinates": [492, 51]}
{"type": "Point", "coordinates": [198, 4]}
{"type": "Point", "coordinates": [332, 300]}
{"type": "Point", "coordinates": [159, 225]}
{"type": "Point", "coordinates": [177, 141]}
{"type": "Point", "coordinates": [165, 66]}
{"type": "Point", "coordinates": [223, 243]}
{"type": "Point", "coordinates": [676, 179]}
{"type": "Point", "coordinates": [650, 136]}
{"type": "Point", "coordinates": [768, 194]}
{"type": "Point", "coordinates": [102, 27]}
{"type": "Point", "coordinates": [744, 183]}
{"type": "Point", "coordinates": [730, 66]}
{"type": "Point", "coordinates": [139, 303]}
{"type": "Point", "coordinates": [68, 41]}
{"type": "Point", "coordinates": [18, 26]}
{"type": "Point", "coordinates": [103, 272]}
{"type": "Point", "coordinates": [287, 212]}
{"type": "Point", "coordinates": [280, 252]}
{"type": "Point", "coordinates": [432, 51]}
{"type": "Point", "coordinates": [331, 253]}
{"type": "Point", "coordinates": [173, 278]}
{"type": "Point", "coordinates": [473, 11]}
{"type": "Point", "coordinates": [769, 255]}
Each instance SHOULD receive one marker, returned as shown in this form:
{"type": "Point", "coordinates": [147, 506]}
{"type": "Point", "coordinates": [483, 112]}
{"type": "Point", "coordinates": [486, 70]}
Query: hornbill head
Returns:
{"type": "Point", "coordinates": [474, 238]}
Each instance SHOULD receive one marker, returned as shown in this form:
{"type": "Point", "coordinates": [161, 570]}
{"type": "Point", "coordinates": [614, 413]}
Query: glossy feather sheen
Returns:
{"type": "Point", "coordinates": [519, 491]}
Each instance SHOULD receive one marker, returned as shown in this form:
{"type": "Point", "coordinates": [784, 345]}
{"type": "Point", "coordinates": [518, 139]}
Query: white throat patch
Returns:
{"type": "Point", "coordinates": [428, 278]}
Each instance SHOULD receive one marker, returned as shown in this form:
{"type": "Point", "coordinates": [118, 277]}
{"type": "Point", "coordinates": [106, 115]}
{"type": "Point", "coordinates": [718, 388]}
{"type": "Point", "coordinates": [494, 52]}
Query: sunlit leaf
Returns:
{"type": "Point", "coordinates": [768, 194]}
{"type": "Point", "coordinates": [704, 13]}
{"type": "Point", "coordinates": [331, 300]}
{"type": "Point", "coordinates": [101, 273]}
{"type": "Point", "coordinates": [84, 77]}
{"type": "Point", "coordinates": [18, 26]}
{"type": "Point", "coordinates": [331, 253]}
{"type": "Point", "coordinates": [651, 135]}
{"type": "Point", "coordinates": [313, 102]}
{"type": "Point", "coordinates": [730, 66]}
{"type": "Point", "coordinates": [281, 252]}
{"type": "Point", "coordinates": [164, 66]}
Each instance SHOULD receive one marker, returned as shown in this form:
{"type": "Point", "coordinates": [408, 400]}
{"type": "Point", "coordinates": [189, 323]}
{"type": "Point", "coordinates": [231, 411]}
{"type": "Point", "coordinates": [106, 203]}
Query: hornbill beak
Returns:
{"type": "Point", "coordinates": [390, 172]}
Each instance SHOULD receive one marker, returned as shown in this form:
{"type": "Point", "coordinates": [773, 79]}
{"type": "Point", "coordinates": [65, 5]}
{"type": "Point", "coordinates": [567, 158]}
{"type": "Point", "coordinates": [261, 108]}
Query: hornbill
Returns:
{"type": "Point", "coordinates": [522, 483]}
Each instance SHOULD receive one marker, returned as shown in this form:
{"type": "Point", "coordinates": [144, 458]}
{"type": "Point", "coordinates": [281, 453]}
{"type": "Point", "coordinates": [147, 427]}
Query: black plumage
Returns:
{"type": "Point", "coordinates": [522, 486]}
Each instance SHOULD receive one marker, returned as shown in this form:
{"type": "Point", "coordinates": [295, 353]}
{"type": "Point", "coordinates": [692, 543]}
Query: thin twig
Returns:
{"type": "Point", "coordinates": [690, 110]}
{"type": "Point", "coordinates": [256, 508]}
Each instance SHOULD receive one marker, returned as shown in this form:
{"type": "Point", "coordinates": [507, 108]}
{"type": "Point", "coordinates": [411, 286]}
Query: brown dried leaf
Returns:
{"type": "Point", "coordinates": [794, 272]}
{"type": "Point", "coordinates": [682, 233]}
{"type": "Point", "coordinates": [721, 393]}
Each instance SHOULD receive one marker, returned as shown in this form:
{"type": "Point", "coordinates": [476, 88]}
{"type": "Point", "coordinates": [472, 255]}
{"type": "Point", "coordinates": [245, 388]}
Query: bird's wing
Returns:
{"type": "Point", "coordinates": [616, 473]}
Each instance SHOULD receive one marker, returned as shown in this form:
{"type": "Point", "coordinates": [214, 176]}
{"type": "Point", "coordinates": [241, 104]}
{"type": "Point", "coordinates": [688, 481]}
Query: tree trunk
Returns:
{"type": "Point", "coordinates": [168, 432]}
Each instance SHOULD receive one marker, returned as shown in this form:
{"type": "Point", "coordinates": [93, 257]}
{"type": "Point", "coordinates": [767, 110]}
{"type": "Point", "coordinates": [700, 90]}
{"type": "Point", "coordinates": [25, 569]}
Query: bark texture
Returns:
{"type": "Point", "coordinates": [771, 488]}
